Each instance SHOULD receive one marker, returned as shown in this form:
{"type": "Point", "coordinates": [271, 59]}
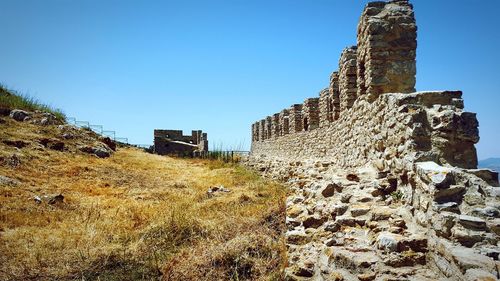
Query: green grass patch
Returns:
{"type": "Point", "coordinates": [14, 100]}
{"type": "Point", "coordinates": [225, 154]}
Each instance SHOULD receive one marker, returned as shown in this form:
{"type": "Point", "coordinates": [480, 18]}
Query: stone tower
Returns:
{"type": "Point", "coordinates": [387, 43]}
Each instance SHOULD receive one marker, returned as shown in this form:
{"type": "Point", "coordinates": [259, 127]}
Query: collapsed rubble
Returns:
{"type": "Point", "coordinates": [442, 220]}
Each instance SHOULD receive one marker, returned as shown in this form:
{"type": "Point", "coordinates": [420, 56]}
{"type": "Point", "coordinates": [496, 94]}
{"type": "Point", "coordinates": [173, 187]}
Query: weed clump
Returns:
{"type": "Point", "coordinates": [245, 257]}
{"type": "Point", "coordinates": [11, 99]}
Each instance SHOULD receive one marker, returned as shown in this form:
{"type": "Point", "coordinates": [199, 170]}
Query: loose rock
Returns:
{"type": "Point", "coordinates": [19, 115]}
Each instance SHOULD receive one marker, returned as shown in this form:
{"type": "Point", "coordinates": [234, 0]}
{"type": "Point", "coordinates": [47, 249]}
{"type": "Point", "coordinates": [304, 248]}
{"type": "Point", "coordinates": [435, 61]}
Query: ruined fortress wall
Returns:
{"type": "Point", "coordinates": [375, 168]}
{"type": "Point", "coordinates": [165, 142]}
{"type": "Point", "coordinates": [367, 115]}
{"type": "Point", "coordinates": [393, 131]}
{"type": "Point", "coordinates": [420, 146]}
{"type": "Point", "coordinates": [347, 78]}
{"type": "Point", "coordinates": [386, 49]}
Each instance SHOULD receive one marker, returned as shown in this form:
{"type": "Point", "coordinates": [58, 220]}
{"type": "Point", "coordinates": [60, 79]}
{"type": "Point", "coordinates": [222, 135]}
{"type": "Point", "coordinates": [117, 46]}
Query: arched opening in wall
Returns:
{"type": "Point", "coordinates": [306, 124]}
{"type": "Point", "coordinates": [361, 80]}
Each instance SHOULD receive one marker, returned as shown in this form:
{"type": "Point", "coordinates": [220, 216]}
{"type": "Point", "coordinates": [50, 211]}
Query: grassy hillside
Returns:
{"type": "Point", "coordinates": [14, 100]}
{"type": "Point", "coordinates": [132, 216]}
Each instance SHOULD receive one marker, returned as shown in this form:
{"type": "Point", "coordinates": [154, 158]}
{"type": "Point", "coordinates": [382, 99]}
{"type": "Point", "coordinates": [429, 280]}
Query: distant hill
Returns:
{"type": "Point", "coordinates": [490, 163]}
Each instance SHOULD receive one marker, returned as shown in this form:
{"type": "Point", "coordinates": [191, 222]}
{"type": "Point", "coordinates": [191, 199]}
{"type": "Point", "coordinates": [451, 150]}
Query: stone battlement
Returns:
{"type": "Point", "coordinates": [354, 119]}
{"type": "Point", "coordinates": [421, 126]}
{"type": "Point", "coordinates": [383, 180]}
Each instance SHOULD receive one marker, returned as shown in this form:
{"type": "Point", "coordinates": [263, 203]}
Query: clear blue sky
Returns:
{"type": "Point", "coordinates": [134, 66]}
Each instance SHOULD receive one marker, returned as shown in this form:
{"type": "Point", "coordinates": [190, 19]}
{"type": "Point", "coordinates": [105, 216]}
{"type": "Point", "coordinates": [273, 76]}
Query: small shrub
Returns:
{"type": "Point", "coordinates": [397, 195]}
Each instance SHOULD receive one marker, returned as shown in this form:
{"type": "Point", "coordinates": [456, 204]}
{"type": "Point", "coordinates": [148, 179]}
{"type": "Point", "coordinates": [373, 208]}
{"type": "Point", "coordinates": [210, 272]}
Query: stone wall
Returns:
{"type": "Point", "coordinates": [396, 128]}
{"type": "Point", "coordinates": [262, 131]}
{"type": "Point", "coordinates": [268, 127]}
{"type": "Point", "coordinates": [387, 43]}
{"type": "Point", "coordinates": [326, 108]}
{"type": "Point", "coordinates": [284, 122]}
{"type": "Point", "coordinates": [174, 142]}
{"type": "Point", "coordinates": [347, 78]}
{"type": "Point", "coordinates": [355, 123]}
{"type": "Point", "coordinates": [295, 118]}
{"type": "Point", "coordinates": [275, 127]}
{"type": "Point", "coordinates": [310, 114]}
{"type": "Point", "coordinates": [334, 91]}
{"type": "Point", "coordinates": [383, 179]}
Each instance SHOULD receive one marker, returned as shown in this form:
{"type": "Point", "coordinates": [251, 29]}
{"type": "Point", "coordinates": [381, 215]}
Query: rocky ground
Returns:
{"type": "Point", "coordinates": [42, 130]}
{"type": "Point", "coordinates": [363, 225]}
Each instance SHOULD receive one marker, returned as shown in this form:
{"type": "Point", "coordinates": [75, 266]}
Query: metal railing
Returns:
{"type": "Point", "coordinates": [146, 146]}
{"type": "Point", "coordinates": [98, 129]}
{"type": "Point", "coordinates": [232, 156]}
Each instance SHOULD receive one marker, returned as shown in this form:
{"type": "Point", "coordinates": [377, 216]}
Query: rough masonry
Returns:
{"type": "Point", "coordinates": [384, 179]}
{"type": "Point", "coordinates": [173, 142]}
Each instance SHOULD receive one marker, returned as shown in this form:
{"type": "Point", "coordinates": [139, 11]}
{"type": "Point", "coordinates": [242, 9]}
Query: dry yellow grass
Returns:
{"type": "Point", "coordinates": [133, 216]}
